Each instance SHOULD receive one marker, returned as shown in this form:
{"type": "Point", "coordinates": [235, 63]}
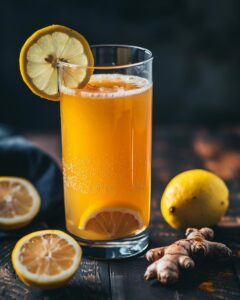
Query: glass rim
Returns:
{"type": "Point", "coordinates": [111, 67]}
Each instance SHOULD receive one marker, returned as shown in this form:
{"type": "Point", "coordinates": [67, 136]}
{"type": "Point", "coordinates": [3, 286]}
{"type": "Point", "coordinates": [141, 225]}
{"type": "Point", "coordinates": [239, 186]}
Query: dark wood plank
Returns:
{"type": "Point", "coordinates": [127, 281]}
{"type": "Point", "coordinates": [209, 281]}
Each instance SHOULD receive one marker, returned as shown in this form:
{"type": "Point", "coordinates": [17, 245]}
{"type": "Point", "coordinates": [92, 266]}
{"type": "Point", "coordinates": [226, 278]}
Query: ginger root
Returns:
{"type": "Point", "coordinates": [168, 261]}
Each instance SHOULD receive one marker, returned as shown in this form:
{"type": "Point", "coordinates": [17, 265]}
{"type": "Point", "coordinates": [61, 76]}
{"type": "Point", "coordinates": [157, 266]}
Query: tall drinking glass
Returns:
{"type": "Point", "coordinates": [106, 147]}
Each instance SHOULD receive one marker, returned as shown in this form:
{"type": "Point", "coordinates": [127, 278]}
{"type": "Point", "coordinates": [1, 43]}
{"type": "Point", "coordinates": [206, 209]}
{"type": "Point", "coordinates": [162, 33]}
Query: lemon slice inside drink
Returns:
{"type": "Point", "coordinates": [41, 54]}
{"type": "Point", "coordinates": [112, 223]}
{"type": "Point", "coordinates": [46, 259]}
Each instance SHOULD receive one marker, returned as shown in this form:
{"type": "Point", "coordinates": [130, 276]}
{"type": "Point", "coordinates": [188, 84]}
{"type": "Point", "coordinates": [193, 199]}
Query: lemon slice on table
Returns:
{"type": "Point", "coordinates": [19, 202]}
{"type": "Point", "coordinates": [46, 259]}
{"type": "Point", "coordinates": [112, 223]}
{"type": "Point", "coordinates": [41, 53]}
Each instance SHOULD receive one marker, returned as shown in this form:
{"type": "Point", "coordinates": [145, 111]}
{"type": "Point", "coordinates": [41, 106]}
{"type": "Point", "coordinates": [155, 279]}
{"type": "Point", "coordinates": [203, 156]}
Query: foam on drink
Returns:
{"type": "Point", "coordinates": [110, 86]}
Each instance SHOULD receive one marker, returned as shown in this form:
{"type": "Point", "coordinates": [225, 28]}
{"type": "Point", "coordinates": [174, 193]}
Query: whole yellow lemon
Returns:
{"type": "Point", "coordinates": [194, 198]}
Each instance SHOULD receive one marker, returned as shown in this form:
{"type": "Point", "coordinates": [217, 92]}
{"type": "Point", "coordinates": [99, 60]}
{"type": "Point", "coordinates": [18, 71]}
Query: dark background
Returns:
{"type": "Point", "coordinates": [196, 45]}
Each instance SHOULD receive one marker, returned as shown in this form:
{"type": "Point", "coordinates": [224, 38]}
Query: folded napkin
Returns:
{"type": "Point", "coordinates": [19, 157]}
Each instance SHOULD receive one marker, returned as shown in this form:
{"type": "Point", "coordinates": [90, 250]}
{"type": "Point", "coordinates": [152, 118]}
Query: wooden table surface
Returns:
{"type": "Point", "coordinates": [175, 149]}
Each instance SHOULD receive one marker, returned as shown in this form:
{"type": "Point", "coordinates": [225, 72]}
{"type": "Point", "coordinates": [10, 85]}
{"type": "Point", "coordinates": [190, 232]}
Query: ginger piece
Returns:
{"type": "Point", "coordinates": [168, 261]}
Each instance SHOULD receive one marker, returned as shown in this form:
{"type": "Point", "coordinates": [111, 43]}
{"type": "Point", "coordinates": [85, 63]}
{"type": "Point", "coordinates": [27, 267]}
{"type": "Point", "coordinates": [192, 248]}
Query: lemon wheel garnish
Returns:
{"type": "Point", "coordinates": [46, 259]}
{"type": "Point", "coordinates": [112, 223]}
{"type": "Point", "coordinates": [19, 202]}
{"type": "Point", "coordinates": [41, 53]}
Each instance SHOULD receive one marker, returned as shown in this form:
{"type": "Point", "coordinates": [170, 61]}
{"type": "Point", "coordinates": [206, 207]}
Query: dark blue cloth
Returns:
{"type": "Point", "coordinates": [19, 157]}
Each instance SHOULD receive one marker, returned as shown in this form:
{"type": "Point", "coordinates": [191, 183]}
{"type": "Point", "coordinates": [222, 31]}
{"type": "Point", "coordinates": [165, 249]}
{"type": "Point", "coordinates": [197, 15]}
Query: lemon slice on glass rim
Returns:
{"type": "Point", "coordinates": [41, 53]}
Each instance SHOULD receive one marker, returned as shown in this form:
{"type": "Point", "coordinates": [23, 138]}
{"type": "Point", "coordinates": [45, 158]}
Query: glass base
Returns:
{"type": "Point", "coordinates": [115, 249]}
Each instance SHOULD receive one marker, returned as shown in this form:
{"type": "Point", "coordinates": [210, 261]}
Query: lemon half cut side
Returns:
{"type": "Point", "coordinates": [46, 259]}
{"type": "Point", "coordinates": [19, 202]}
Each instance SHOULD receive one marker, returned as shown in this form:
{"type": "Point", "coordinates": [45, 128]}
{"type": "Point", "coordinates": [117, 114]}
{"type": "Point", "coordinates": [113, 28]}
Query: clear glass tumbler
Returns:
{"type": "Point", "coordinates": [106, 146]}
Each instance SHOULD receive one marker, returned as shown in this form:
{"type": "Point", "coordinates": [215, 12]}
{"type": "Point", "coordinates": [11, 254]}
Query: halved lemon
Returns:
{"type": "Point", "coordinates": [19, 202]}
{"type": "Point", "coordinates": [112, 223]}
{"type": "Point", "coordinates": [41, 53]}
{"type": "Point", "coordinates": [46, 259]}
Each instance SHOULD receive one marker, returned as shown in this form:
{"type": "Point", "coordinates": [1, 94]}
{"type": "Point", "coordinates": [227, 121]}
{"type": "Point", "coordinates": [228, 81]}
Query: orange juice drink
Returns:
{"type": "Point", "coordinates": [106, 146]}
